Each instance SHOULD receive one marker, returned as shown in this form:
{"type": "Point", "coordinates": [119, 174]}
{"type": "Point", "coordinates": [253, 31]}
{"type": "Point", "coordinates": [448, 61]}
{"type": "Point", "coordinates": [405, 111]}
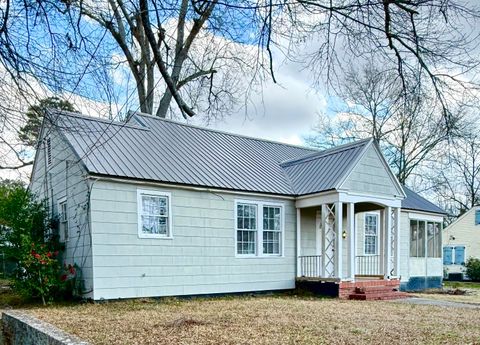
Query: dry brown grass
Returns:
{"type": "Point", "coordinates": [471, 296]}
{"type": "Point", "coordinates": [264, 320]}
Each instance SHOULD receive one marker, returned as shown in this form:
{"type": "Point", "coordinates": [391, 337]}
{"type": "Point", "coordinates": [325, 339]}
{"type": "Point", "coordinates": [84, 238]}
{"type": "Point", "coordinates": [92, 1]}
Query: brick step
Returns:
{"type": "Point", "coordinates": [378, 296]}
{"type": "Point", "coordinates": [369, 289]}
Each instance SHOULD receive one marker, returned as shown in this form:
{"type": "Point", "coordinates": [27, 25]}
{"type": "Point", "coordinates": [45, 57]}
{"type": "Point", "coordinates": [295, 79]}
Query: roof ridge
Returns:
{"type": "Point", "coordinates": [93, 118]}
{"type": "Point", "coordinates": [313, 150]}
{"type": "Point", "coordinates": [326, 152]}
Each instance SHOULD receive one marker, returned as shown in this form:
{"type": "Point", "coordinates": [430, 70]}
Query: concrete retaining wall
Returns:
{"type": "Point", "coordinates": [23, 329]}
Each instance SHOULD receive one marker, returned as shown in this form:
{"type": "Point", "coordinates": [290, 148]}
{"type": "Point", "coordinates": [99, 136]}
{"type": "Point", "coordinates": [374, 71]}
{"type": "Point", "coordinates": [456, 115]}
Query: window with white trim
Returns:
{"type": "Point", "coordinates": [246, 229]}
{"type": "Point", "coordinates": [63, 220]}
{"type": "Point", "coordinates": [371, 234]}
{"type": "Point", "coordinates": [154, 214]}
{"type": "Point", "coordinates": [259, 228]}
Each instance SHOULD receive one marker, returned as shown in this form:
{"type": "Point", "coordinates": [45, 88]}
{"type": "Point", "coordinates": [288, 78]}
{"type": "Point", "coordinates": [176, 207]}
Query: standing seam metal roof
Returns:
{"type": "Point", "coordinates": [162, 150]}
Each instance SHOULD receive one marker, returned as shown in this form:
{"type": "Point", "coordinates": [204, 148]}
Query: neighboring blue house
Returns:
{"type": "Point", "coordinates": [153, 207]}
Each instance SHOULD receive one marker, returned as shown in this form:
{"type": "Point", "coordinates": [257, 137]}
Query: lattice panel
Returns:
{"type": "Point", "coordinates": [330, 238]}
{"type": "Point", "coordinates": [393, 241]}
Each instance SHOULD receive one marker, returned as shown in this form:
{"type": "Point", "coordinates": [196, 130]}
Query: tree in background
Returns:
{"type": "Point", "coordinates": [407, 124]}
{"type": "Point", "coordinates": [28, 134]}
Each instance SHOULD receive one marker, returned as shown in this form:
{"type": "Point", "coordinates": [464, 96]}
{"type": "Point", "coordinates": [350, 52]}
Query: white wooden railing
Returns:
{"type": "Point", "coordinates": [368, 265]}
{"type": "Point", "coordinates": [310, 266]}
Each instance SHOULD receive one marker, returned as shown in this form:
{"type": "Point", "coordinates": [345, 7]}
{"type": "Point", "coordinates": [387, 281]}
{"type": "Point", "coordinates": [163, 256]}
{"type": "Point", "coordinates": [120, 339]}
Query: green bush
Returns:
{"type": "Point", "coordinates": [28, 237]}
{"type": "Point", "coordinates": [473, 269]}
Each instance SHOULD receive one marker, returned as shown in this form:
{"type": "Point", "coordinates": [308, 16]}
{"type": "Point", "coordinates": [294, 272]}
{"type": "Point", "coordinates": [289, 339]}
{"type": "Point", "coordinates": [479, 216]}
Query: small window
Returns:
{"type": "Point", "coordinates": [154, 214]}
{"type": "Point", "coordinates": [477, 217]}
{"type": "Point", "coordinates": [63, 221]}
{"type": "Point", "coordinates": [48, 152]}
{"type": "Point", "coordinates": [371, 234]}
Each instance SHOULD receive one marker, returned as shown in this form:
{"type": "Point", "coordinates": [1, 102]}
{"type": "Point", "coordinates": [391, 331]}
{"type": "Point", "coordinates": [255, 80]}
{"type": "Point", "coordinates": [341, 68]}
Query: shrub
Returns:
{"type": "Point", "coordinates": [38, 271]}
{"type": "Point", "coordinates": [28, 237]}
{"type": "Point", "coordinates": [473, 269]}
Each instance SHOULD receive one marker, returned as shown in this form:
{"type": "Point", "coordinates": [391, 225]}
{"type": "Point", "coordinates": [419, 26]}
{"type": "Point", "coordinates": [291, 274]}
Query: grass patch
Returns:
{"type": "Point", "coordinates": [461, 285]}
{"type": "Point", "coordinates": [263, 320]}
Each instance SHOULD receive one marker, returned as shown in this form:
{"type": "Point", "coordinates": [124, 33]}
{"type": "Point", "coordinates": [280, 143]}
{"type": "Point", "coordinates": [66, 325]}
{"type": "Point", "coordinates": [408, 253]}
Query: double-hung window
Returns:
{"type": "Point", "coordinates": [259, 228]}
{"type": "Point", "coordinates": [63, 220]}
{"type": "Point", "coordinates": [477, 217]}
{"type": "Point", "coordinates": [371, 234]}
{"type": "Point", "coordinates": [154, 214]}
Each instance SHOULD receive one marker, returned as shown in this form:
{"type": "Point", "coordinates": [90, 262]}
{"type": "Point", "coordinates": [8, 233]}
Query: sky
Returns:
{"type": "Point", "coordinates": [286, 112]}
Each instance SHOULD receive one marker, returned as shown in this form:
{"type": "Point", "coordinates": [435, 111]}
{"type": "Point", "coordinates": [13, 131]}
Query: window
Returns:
{"type": "Point", "coordinates": [246, 229]}
{"type": "Point", "coordinates": [477, 217]}
{"type": "Point", "coordinates": [48, 151]}
{"type": "Point", "coordinates": [371, 234]}
{"type": "Point", "coordinates": [154, 214]}
{"type": "Point", "coordinates": [63, 220]}
{"type": "Point", "coordinates": [271, 230]}
{"type": "Point", "coordinates": [425, 236]}
{"type": "Point", "coordinates": [259, 228]}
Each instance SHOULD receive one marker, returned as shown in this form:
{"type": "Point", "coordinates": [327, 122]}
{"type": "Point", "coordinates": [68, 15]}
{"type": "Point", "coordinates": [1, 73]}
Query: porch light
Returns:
{"type": "Point", "coordinates": [344, 234]}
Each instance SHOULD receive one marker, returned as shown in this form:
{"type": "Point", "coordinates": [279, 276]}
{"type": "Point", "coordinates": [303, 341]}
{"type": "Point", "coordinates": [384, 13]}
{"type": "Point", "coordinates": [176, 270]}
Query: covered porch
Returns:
{"type": "Point", "coordinates": [348, 239]}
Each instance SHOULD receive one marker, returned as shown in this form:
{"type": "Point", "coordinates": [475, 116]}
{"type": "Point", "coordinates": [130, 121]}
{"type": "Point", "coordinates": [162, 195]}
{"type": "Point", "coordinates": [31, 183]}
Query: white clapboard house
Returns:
{"type": "Point", "coordinates": [461, 240]}
{"type": "Point", "coordinates": [154, 207]}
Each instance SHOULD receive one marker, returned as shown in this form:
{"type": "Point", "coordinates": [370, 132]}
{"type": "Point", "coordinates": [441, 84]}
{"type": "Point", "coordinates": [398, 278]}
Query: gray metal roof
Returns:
{"type": "Point", "coordinates": [414, 201]}
{"type": "Point", "coordinates": [156, 149]}
{"type": "Point", "coordinates": [323, 170]}
{"type": "Point", "coordinates": [168, 151]}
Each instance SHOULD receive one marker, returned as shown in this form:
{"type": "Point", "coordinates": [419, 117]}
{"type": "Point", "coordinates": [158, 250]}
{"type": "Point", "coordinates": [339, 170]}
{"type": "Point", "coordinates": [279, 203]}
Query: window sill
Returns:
{"type": "Point", "coordinates": [155, 237]}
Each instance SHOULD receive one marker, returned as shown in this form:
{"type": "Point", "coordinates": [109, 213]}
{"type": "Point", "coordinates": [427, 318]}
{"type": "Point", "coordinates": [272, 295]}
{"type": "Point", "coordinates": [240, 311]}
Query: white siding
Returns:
{"type": "Point", "coordinates": [371, 176]}
{"type": "Point", "coordinates": [200, 259]}
{"type": "Point", "coordinates": [308, 233]}
{"type": "Point", "coordinates": [65, 177]}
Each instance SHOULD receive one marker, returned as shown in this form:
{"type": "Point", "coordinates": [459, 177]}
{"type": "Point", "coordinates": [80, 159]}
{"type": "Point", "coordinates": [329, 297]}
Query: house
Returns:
{"type": "Point", "coordinates": [152, 207]}
{"type": "Point", "coordinates": [461, 240]}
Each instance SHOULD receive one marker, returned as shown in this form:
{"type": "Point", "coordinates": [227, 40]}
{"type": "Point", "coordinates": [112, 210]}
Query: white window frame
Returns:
{"type": "Point", "coordinates": [168, 195]}
{"type": "Point", "coordinates": [377, 246]}
{"type": "Point", "coordinates": [66, 234]}
{"type": "Point", "coordinates": [259, 233]}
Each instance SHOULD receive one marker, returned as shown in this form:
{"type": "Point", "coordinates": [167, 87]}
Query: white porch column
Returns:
{"type": "Point", "coordinates": [387, 248]}
{"type": "Point", "coordinates": [338, 240]}
{"type": "Point", "coordinates": [299, 242]}
{"type": "Point", "coordinates": [324, 216]}
{"type": "Point", "coordinates": [397, 241]}
{"type": "Point", "coordinates": [351, 234]}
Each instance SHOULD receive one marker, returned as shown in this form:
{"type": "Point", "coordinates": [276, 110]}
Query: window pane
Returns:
{"type": "Point", "coordinates": [413, 238]}
{"type": "Point", "coordinates": [154, 225]}
{"type": "Point", "coordinates": [477, 217]}
{"type": "Point", "coordinates": [271, 242]}
{"type": "Point", "coordinates": [271, 218]}
{"type": "Point", "coordinates": [430, 240]}
{"type": "Point", "coordinates": [246, 242]}
{"type": "Point", "coordinates": [438, 240]}
{"type": "Point", "coordinates": [371, 234]}
{"type": "Point", "coordinates": [421, 239]}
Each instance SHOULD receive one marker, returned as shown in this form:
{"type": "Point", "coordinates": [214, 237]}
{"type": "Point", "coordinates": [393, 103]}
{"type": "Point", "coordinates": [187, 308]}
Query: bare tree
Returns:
{"type": "Point", "coordinates": [408, 125]}
{"type": "Point", "coordinates": [456, 179]}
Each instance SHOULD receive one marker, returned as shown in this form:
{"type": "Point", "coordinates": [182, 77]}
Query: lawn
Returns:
{"type": "Point", "coordinates": [464, 292]}
{"type": "Point", "coordinates": [264, 320]}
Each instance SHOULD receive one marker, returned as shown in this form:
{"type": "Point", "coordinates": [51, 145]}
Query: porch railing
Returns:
{"type": "Point", "coordinates": [368, 265]}
{"type": "Point", "coordinates": [310, 266]}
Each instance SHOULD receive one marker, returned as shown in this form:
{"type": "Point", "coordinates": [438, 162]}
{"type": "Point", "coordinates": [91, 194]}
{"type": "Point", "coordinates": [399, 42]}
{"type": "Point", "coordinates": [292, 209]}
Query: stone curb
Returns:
{"type": "Point", "coordinates": [20, 328]}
